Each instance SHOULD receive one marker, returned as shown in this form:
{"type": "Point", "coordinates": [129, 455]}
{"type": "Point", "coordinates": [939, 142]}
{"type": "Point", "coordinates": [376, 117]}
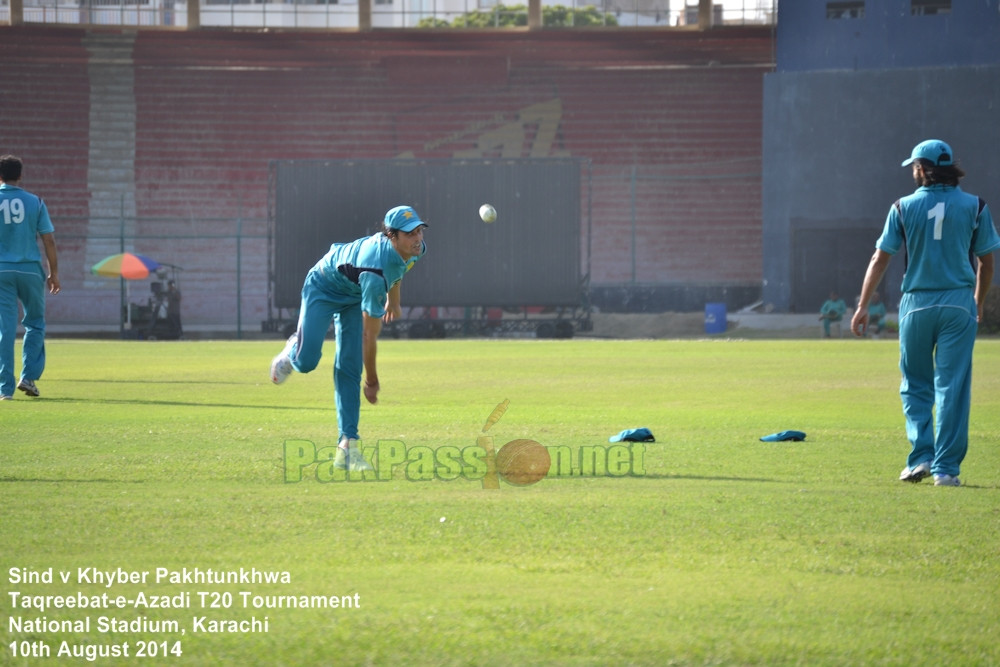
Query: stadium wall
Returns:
{"type": "Point", "coordinates": [889, 34]}
{"type": "Point", "coordinates": [833, 143]}
{"type": "Point", "coordinates": [163, 138]}
{"type": "Point", "coordinates": [849, 99]}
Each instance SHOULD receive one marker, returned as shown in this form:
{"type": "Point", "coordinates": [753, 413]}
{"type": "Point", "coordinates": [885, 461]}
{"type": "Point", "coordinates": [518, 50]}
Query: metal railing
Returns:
{"type": "Point", "coordinates": [343, 14]}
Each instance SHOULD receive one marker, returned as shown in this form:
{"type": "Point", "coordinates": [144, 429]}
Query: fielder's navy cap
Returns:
{"type": "Point", "coordinates": [934, 151]}
{"type": "Point", "coordinates": [403, 218]}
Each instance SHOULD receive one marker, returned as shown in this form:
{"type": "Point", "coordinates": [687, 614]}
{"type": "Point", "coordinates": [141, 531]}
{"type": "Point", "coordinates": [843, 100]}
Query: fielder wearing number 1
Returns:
{"type": "Point", "coordinates": [356, 285]}
{"type": "Point", "coordinates": [949, 237]}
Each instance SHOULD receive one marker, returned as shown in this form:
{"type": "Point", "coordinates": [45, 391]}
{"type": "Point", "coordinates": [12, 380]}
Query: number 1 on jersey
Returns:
{"type": "Point", "coordinates": [938, 214]}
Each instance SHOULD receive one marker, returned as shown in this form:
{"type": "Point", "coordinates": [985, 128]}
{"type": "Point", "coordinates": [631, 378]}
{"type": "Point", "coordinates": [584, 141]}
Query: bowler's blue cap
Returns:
{"type": "Point", "coordinates": [403, 218]}
{"type": "Point", "coordinates": [934, 151]}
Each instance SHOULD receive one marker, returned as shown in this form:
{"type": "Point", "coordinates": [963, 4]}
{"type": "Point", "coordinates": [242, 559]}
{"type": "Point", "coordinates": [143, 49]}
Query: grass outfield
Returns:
{"type": "Point", "coordinates": [707, 547]}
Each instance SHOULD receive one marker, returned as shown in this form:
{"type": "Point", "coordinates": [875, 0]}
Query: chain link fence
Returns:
{"type": "Point", "coordinates": [220, 267]}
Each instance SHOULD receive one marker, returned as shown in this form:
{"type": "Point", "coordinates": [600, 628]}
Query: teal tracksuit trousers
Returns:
{"type": "Point", "coordinates": [936, 345]}
{"type": "Point", "coordinates": [321, 304]}
{"type": "Point", "coordinates": [26, 285]}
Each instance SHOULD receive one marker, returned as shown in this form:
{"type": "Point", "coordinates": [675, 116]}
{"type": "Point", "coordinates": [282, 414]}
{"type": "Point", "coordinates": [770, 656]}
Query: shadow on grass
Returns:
{"type": "Point", "coordinates": [70, 481]}
{"type": "Point", "coordinates": [157, 382]}
{"type": "Point", "coordinates": [186, 404]}
{"type": "Point", "coordinates": [661, 476]}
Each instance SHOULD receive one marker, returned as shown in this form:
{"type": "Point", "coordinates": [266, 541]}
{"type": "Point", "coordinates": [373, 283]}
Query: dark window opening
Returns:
{"type": "Point", "coordinates": [929, 7]}
{"type": "Point", "coordinates": [852, 9]}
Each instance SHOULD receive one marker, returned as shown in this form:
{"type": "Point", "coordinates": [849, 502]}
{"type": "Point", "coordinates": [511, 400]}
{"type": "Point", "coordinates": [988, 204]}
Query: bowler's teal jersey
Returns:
{"type": "Point", "coordinates": [23, 217]}
{"type": "Point", "coordinates": [367, 269]}
{"type": "Point", "coordinates": [941, 228]}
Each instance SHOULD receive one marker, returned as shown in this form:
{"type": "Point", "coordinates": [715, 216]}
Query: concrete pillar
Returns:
{"type": "Point", "coordinates": [365, 15]}
{"type": "Point", "coordinates": [534, 14]}
{"type": "Point", "coordinates": [16, 12]}
{"type": "Point", "coordinates": [704, 14]}
{"type": "Point", "coordinates": [194, 14]}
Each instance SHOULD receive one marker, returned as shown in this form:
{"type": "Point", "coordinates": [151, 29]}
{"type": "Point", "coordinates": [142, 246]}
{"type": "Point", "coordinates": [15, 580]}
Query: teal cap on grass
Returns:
{"type": "Point", "coordinates": [403, 218]}
{"type": "Point", "coordinates": [797, 436]}
{"type": "Point", "coordinates": [633, 435]}
{"type": "Point", "coordinates": [935, 151]}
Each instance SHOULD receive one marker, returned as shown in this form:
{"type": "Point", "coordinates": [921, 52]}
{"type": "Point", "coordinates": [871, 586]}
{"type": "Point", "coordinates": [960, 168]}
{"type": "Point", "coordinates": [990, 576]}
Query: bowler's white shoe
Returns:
{"type": "Point", "coordinates": [350, 458]}
{"type": "Point", "coordinates": [28, 387]}
{"type": "Point", "coordinates": [916, 473]}
{"type": "Point", "coordinates": [281, 365]}
{"type": "Point", "coordinates": [946, 480]}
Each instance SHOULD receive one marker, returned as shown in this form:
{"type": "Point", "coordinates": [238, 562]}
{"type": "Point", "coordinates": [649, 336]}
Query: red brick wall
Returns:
{"type": "Point", "coordinates": [44, 113]}
{"type": "Point", "coordinates": [670, 121]}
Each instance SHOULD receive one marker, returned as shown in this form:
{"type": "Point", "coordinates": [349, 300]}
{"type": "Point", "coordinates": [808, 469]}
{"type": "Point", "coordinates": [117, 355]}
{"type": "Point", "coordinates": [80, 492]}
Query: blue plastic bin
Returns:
{"type": "Point", "coordinates": [715, 318]}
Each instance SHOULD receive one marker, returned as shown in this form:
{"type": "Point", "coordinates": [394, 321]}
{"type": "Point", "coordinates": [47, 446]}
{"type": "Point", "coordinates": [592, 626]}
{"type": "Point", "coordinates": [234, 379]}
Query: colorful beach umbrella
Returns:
{"type": "Point", "coordinates": [126, 265]}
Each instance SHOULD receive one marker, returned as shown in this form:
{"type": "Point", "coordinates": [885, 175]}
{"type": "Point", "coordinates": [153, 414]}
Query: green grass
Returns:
{"type": "Point", "coordinates": [724, 550]}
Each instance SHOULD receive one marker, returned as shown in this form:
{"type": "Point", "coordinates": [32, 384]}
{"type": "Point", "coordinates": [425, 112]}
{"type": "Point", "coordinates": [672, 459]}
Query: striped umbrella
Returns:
{"type": "Point", "coordinates": [126, 265]}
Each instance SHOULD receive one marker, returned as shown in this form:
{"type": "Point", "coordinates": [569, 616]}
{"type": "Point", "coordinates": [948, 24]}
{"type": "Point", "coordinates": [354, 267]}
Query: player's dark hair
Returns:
{"type": "Point", "coordinates": [10, 168]}
{"type": "Point", "coordinates": [940, 175]}
{"type": "Point", "coordinates": [389, 232]}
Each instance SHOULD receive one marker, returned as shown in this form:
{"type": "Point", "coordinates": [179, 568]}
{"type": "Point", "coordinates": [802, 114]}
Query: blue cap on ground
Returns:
{"type": "Point", "coordinates": [403, 218]}
{"type": "Point", "coordinates": [633, 435]}
{"type": "Point", "coordinates": [784, 435]}
{"type": "Point", "coordinates": [934, 151]}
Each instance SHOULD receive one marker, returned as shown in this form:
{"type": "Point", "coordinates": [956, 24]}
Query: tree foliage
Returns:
{"type": "Point", "coordinates": [516, 16]}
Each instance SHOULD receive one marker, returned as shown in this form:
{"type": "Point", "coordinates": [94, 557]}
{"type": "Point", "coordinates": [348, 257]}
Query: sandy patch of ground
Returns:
{"type": "Point", "coordinates": [647, 325]}
{"type": "Point", "coordinates": [692, 325]}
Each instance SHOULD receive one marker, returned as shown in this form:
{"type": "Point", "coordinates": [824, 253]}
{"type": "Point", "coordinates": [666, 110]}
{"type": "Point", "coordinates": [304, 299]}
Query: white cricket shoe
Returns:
{"type": "Point", "coordinates": [916, 473]}
{"type": "Point", "coordinates": [350, 458]}
{"type": "Point", "coordinates": [28, 387]}
{"type": "Point", "coordinates": [946, 480]}
{"type": "Point", "coordinates": [281, 365]}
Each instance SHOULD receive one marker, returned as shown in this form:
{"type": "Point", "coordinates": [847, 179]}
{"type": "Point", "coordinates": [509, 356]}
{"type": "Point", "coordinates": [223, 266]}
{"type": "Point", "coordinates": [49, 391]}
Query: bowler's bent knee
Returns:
{"type": "Point", "coordinates": [305, 365]}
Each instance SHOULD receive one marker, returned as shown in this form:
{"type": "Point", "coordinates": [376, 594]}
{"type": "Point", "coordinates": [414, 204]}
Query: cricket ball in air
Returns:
{"type": "Point", "coordinates": [487, 213]}
{"type": "Point", "coordinates": [523, 462]}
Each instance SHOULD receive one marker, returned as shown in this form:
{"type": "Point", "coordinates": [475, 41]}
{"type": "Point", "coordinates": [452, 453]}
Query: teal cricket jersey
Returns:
{"type": "Point", "coordinates": [942, 228]}
{"type": "Point", "coordinates": [366, 269]}
{"type": "Point", "coordinates": [23, 217]}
